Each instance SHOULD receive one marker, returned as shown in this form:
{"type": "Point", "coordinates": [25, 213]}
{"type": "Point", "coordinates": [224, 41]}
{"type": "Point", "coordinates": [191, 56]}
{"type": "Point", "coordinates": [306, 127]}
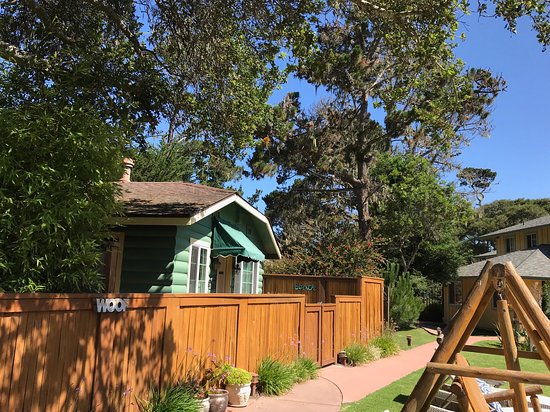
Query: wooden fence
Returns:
{"type": "Point", "coordinates": [59, 353]}
{"type": "Point", "coordinates": [317, 289]}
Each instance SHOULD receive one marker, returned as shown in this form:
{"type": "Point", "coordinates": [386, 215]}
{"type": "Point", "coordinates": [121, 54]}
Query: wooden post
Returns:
{"type": "Point", "coordinates": [535, 403]}
{"type": "Point", "coordinates": [463, 403]}
{"type": "Point", "coordinates": [242, 337]}
{"type": "Point", "coordinates": [460, 329]}
{"type": "Point", "coordinates": [535, 337]}
{"type": "Point", "coordinates": [528, 302]}
{"type": "Point", "coordinates": [511, 354]}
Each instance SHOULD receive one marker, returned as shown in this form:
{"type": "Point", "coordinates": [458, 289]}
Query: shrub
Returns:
{"type": "Point", "coordinates": [275, 378]}
{"type": "Point", "coordinates": [373, 353]}
{"type": "Point", "coordinates": [405, 306]}
{"type": "Point", "coordinates": [305, 369]}
{"type": "Point", "coordinates": [174, 398]}
{"type": "Point", "coordinates": [57, 166]}
{"type": "Point", "coordinates": [387, 344]}
{"type": "Point", "coordinates": [357, 353]}
{"type": "Point", "coordinates": [238, 376]}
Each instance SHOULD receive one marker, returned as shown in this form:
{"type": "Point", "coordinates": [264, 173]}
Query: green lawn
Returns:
{"type": "Point", "coordinates": [393, 396]}
{"type": "Point", "coordinates": [419, 337]}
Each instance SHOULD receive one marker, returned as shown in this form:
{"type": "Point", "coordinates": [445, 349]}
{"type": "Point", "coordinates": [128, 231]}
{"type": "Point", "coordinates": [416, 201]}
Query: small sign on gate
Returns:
{"type": "Point", "coordinates": [307, 288]}
{"type": "Point", "coordinates": [111, 305]}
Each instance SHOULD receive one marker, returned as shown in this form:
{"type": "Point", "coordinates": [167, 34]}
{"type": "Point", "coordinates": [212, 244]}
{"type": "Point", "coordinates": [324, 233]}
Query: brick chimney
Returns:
{"type": "Point", "coordinates": [128, 166]}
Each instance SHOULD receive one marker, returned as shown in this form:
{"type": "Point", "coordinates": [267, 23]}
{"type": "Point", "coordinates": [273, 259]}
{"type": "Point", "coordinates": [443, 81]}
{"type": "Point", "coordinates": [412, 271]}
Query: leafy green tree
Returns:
{"type": "Point", "coordinates": [420, 212]}
{"type": "Point", "coordinates": [403, 306]}
{"type": "Point", "coordinates": [335, 254]}
{"type": "Point", "coordinates": [394, 86]}
{"type": "Point", "coordinates": [168, 162]}
{"type": "Point", "coordinates": [478, 180]}
{"type": "Point", "coordinates": [538, 11]}
{"type": "Point", "coordinates": [57, 166]}
{"type": "Point", "coordinates": [306, 213]}
{"type": "Point", "coordinates": [205, 68]}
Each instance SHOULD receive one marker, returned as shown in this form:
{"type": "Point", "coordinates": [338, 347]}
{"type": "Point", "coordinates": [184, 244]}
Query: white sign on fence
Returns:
{"type": "Point", "coordinates": [111, 305]}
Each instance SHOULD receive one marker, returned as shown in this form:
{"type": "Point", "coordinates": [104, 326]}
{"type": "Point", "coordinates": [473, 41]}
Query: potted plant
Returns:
{"type": "Point", "coordinates": [218, 399]}
{"type": "Point", "coordinates": [237, 383]}
{"type": "Point", "coordinates": [215, 380]}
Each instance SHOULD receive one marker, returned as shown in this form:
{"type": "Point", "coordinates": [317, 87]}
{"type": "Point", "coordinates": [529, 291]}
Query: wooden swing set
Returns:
{"type": "Point", "coordinates": [448, 361]}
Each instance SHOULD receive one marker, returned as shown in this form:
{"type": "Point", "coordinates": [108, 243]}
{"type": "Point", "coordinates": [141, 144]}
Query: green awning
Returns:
{"type": "Point", "coordinates": [230, 241]}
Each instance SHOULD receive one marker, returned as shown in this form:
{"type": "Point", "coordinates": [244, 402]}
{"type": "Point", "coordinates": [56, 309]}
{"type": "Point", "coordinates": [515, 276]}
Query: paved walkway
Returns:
{"type": "Point", "coordinates": [338, 384]}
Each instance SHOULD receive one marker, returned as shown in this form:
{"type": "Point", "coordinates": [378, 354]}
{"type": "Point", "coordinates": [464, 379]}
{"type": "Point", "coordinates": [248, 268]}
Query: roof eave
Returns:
{"type": "Point", "coordinates": [273, 253]}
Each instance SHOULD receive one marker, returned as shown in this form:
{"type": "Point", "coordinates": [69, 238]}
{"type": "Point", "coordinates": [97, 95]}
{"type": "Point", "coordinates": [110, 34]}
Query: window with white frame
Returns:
{"type": "Point", "coordinates": [246, 277]}
{"type": "Point", "coordinates": [531, 240]}
{"type": "Point", "coordinates": [199, 267]}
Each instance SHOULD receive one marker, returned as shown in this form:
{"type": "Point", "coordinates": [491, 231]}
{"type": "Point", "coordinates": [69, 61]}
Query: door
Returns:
{"type": "Point", "coordinates": [319, 333]}
{"type": "Point", "coordinates": [224, 270]}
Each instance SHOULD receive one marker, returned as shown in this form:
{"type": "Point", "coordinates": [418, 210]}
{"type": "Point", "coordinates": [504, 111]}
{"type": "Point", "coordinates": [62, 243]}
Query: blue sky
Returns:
{"type": "Point", "coordinates": [519, 146]}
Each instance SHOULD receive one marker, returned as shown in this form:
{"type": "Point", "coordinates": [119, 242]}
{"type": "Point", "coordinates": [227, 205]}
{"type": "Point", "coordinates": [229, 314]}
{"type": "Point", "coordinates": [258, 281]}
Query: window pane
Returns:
{"type": "Point", "coordinates": [193, 271]}
{"type": "Point", "coordinates": [246, 278]}
{"type": "Point", "coordinates": [510, 244]}
{"type": "Point", "coordinates": [203, 266]}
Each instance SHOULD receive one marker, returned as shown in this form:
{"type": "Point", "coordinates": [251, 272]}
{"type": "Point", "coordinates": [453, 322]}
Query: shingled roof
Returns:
{"type": "Point", "coordinates": [530, 263]}
{"type": "Point", "coordinates": [169, 199]}
{"type": "Point", "coordinates": [530, 224]}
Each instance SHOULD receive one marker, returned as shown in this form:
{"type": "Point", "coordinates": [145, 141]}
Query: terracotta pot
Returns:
{"type": "Point", "coordinates": [218, 400]}
{"type": "Point", "coordinates": [238, 394]}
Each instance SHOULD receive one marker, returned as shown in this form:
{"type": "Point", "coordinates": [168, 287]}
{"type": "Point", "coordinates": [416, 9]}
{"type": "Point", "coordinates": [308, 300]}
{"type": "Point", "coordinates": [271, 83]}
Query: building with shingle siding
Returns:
{"type": "Point", "coordinates": [526, 245]}
{"type": "Point", "coordinates": [178, 237]}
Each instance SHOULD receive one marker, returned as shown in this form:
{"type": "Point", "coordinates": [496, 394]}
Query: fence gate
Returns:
{"type": "Point", "coordinates": [319, 344]}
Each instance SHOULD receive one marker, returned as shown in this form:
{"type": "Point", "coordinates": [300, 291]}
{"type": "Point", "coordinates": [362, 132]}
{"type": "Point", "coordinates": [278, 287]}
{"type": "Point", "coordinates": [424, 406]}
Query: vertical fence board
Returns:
{"type": "Point", "coordinates": [312, 342]}
{"type": "Point", "coordinates": [328, 317]}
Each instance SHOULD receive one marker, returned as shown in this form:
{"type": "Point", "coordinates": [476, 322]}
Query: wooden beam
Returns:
{"type": "Point", "coordinates": [530, 328]}
{"type": "Point", "coordinates": [535, 404]}
{"type": "Point", "coordinates": [489, 373]}
{"type": "Point", "coordinates": [458, 391]}
{"type": "Point", "coordinates": [471, 389]}
{"type": "Point", "coordinates": [497, 351]}
{"type": "Point", "coordinates": [511, 354]}
{"type": "Point", "coordinates": [507, 394]}
{"type": "Point", "coordinates": [460, 327]}
{"type": "Point", "coordinates": [527, 302]}
{"type": "Point", "coordinates": [462, 341]}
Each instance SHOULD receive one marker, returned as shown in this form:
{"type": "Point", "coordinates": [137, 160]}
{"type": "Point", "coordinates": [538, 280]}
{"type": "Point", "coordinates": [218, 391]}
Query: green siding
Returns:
{"type": "Point", "coordinates": [156, 258]}
{"type": "Point", "coordinates": [199, 231]}
{"type": "Point", "coordinates": [261, 277]}
{"type": "Point", "coordinates": [245, 222]}
{"type": "Point", "coordinates": [148, 259]}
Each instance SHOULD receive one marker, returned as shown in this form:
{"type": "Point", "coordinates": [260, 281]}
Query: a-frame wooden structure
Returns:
{"type": "Point", "coordinates": [447, 359]}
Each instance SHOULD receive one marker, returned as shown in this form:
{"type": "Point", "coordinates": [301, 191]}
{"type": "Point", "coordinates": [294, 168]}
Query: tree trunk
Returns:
{"type": "Point", "coordinates": [363, 213]}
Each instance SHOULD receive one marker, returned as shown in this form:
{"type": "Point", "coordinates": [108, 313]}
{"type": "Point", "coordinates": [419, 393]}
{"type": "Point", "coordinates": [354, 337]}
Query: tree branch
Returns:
{"type": "Point", "coordinates": [17, 56]}
{"type": "Point", "coordinates": [53, 26]}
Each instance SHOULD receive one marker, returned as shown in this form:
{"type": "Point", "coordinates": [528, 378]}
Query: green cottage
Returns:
{"type": "Point", "coordinates": [181, 237]}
